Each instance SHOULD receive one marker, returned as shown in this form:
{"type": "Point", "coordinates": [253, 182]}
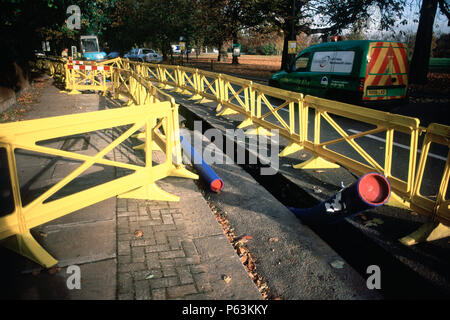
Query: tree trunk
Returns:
{"type": "Point", "coordinates": [421, 55]}
{"type": "Point", "coordinates": [285, 57]}
{"type": "Point", "coordinates": [235, 58]}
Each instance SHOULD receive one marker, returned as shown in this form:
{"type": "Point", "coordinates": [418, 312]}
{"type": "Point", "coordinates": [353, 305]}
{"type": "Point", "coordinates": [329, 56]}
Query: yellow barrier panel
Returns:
{"type": "Point", "coordinates": [15, 226]}
{"type": "Point", "coordinates": [438, 207]}
{"type": "Point", "coordinates": [54, 66]}
{"type": "Point", "coordinates": [382, 121]}
{"type": "Point", "coordinates": [87, 77]}
{"type": "Point", "coordinates": [139, 92]}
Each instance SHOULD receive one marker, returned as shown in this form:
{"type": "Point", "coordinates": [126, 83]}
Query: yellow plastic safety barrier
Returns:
{"type": "Point", "coordinates": [15, 225]}
{"type": "Point", "coordinates": [53, 65]}
{"type": "Point", "coordinates": [363, 162]}
{"type": "Point", "coordinates": [437, 206]}
{"type": "Point", "coordinates": [256, 102]}
{"type": "Point", "coordinates": [87, 77]}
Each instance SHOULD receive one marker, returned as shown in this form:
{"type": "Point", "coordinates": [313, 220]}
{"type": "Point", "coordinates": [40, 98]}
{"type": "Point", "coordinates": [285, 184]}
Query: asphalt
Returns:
{"type": "Point", "coordinates": [154, 250]}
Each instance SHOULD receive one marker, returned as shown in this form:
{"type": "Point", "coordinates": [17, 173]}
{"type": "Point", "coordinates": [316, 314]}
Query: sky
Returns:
{"type": "Point", "coordinates": [411, 14]}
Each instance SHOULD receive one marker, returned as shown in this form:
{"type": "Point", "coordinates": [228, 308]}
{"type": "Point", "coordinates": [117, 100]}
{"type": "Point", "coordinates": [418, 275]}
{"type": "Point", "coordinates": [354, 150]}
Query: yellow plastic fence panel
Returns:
{"type": "Point", "coordinates": [116, 63]}
{"type": "Point", "coordinates": [209, 85]}
{"type": "Point", "coordinates": [437, 206]}
{"type": "Point", "coordinates": [54, 66]}
{"type": "Point", "coordinates": [271, 106]}
{"type": "Point", "coordinates": [169, 76]}
{"type": "Point", "coordinates": [188, 80]}
{"type": "Point", "coordinates": [140, 92]}
{"type": "Point", "coordinates": [375, 122]}
{"type": "Point", "coordinates": [149, 71]}
{"type": "Point", "coordinates": [16, 223]}
{"type": "Point", "coordinates": [134, 87]}
{"type": "Point", "coordinates": [87, 77]}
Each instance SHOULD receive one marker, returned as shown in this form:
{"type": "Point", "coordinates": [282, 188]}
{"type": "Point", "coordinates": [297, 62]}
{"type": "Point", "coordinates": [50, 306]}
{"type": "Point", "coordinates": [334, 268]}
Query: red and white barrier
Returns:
{"type": "Point", "coordinates": [88, 67]}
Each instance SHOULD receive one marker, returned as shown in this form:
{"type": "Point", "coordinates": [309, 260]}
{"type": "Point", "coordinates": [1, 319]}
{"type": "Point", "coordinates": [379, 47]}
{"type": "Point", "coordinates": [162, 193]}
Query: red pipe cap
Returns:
{"type": "Point", "coordinates": [374, 189]}
{"type": "Point", "coordinates": [216, 185]}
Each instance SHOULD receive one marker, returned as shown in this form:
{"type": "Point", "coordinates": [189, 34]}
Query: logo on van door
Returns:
{"type": "Point", "coordinates": [324, 81]}
{"type": "Point", "coordinates": [333, 61]}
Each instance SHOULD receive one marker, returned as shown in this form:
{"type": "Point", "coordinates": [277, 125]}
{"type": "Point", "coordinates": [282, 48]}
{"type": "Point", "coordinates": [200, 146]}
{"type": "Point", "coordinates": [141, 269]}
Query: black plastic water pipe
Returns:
{"type": "Point", "coordinates": [370, 190]}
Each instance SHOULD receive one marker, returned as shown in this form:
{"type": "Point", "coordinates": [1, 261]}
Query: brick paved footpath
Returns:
{"type": "Point", "coordinates": [182, 253]}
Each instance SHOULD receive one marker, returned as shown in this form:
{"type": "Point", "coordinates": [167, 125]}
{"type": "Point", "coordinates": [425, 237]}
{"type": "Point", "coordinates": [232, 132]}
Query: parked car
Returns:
{"type": "Point", "coordinates": [113, 54]}
{"type": "Point", "coordinates": [144, 55]}
{"type": "Point", "coordinates": [39, 53]}
{"type": "Point", "coordinates": [360, 71]}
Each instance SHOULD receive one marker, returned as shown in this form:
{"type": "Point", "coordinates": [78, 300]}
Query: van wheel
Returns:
{"type": "Point", "coordinates": [273, 83]}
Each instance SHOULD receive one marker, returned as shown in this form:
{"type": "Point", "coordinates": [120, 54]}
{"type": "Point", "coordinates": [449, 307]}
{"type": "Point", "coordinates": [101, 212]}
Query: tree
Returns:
{"type": "Point", "coordinates": [223, 20]}
{"type": "Point", "coordinates": [421, 56]}
{"type": "Point", "coordinates": [325, 17]}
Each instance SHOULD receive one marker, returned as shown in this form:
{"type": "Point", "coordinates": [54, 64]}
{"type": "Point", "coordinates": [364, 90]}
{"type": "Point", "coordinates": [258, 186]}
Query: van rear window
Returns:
{"type": "Point", "coordinates": [333, 61]}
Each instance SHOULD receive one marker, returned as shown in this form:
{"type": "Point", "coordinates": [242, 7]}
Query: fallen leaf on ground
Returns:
{"type": "Point", "coordinates": [337, 264]}
{"type": "Point", "coordinates": [53, 270]}
{"type": "Point", "coordinates": [138, 233]}
{"type": "Point", "coordinates": [42, 234]}
{"type": "Point", "coordinates": [363, 217]}
{"type": "Point", "coordinates": [274, 239]}
{"type": "Point", "coordinates": [244, 259]}
{"type": "Point", "coordinates": [244, 239]}
{"type": "Point", "coordinates": [373, 223]}
{"type": "Point", "coordinates": [149, 276]}
{"type": "Point", "coordinates": [319, 171]}
{"type": "Point", "coordinates": [35, 272]}
{"type": "Point", "coordinates": [227, 279]}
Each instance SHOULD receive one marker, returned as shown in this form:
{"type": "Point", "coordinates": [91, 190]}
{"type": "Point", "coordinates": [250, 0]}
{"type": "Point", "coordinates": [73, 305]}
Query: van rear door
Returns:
{"type": "Point", "coordinates": [386, 72]}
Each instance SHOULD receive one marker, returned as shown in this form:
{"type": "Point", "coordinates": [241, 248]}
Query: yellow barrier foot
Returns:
{"type": "Point", "coordinates": [204, 100]}
{"type": "Point", "coordinates": [25, 245]}
{"type": "Point", "coordinates": [227, 112]}
{"type": "Point", "coordinates": [260, 131]}
{"type": "Point", "coordinates": [140, 135]}
{"type": "Point", "coordinates": [427, 232]}
{"type": "Point", "coordinates": [246, 123]}
{"type": "Point", "coordinates": [183, 173]}
{"type": "Point", "coordinates": [155, 147]}
{"type": "Point", "coordinates": [195, 97]}
{"type": "Point", "coordinates": [74, 92]}
{"type": "Point", "coordinates": [316, 163]}
{"type": "Point", "coordinates": [396, 201]}
{"type": "Point", "coordinates": [139, 147]}
{"type": "Point", "coordinates": [186, 92]}
{"type": "Point", "coordinates": [290, 149]}
{"type": "Point", "coordinates": [149, 192]}
{"type": "Point", "coordinates": [177, 90]}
